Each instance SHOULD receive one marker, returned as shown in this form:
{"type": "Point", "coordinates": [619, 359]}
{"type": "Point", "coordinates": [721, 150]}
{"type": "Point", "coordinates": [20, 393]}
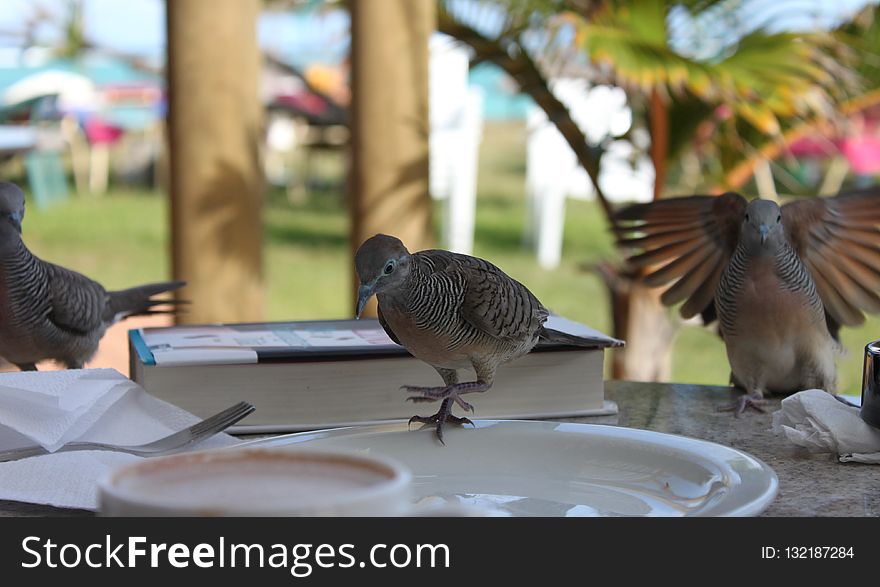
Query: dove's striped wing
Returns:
{"type": "Point", "coordinates": [684, 241]}
{"type": "Point", "coordinates": [499, 305]}
{"type": "Point", "coordinates": [77, 302]}
{"type": "Point", "coordinates": [489, 301]}
{"type": "Point", "coordinates": [838, 240]}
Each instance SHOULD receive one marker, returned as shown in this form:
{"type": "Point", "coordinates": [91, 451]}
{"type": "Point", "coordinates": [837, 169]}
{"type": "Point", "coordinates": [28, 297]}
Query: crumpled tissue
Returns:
{"type": "Point", "coordinates": [817, 421]}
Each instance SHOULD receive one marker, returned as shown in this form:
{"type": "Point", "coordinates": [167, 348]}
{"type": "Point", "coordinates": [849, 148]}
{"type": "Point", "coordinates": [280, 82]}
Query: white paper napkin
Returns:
{"type": "Point", "coordinates": [52, 408]}
{"type": "Point", "coordinates": [816, 420]}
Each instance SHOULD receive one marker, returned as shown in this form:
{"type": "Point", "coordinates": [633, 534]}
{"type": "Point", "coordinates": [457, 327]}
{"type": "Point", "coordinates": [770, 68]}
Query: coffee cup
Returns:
{"type": "Point", "coordinates": [259, 482]}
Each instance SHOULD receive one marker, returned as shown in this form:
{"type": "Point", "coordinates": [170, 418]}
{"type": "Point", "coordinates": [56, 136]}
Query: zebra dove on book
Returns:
{"type": "Point", "coordinates": [452, 311]}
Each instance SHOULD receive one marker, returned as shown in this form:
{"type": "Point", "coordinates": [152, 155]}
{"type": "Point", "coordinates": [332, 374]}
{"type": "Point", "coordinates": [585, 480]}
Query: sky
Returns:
{"type": "Point", "coordinates": [137, 27]}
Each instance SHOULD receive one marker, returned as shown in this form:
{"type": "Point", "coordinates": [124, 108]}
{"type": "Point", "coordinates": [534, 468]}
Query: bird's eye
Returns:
{"type": "Point", "coordinates": [389, 268]}
{"type": "Point", "coordinates": [779, 219]}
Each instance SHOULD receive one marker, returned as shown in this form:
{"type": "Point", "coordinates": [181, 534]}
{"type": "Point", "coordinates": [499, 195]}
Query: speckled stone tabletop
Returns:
{"type": "Point", "coordinates": [809, 484]}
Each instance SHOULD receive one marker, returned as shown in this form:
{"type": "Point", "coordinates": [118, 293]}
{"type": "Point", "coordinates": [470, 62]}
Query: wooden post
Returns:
{"type": "Point", "coordinates": [388, 182]}
{"type": "Point", "coordinates": [214, 134]}
{"type": "Point", "coordinates": [659, 141]}
{"type": "Point", "coordinates": [641, 319]}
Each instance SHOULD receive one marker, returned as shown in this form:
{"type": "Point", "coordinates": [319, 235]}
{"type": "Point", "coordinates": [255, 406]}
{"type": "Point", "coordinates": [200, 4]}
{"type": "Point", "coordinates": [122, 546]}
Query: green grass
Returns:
{"type": "Point", "coordinates": [122, 239]}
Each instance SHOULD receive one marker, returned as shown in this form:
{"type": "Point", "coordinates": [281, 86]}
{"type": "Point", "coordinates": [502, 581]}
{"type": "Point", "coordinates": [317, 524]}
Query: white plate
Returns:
{"type": "Point", "coordinates": [529, 468]}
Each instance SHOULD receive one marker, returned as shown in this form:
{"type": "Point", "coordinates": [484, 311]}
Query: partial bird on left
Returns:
{"type": "Point", "coordinates": [49, 312]}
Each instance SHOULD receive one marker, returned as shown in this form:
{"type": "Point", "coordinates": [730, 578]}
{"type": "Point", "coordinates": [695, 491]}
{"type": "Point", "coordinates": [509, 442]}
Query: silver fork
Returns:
{"type": "Point", "coordinates": [171, 443]}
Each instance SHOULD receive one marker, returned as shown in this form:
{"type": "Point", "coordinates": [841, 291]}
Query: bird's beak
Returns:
{"type": "Point", "coordinates": [365, 292]}
{"type": "Point", "coordinates": [764, 230]}
{"type": "Point", "coordinates": [16, 218]}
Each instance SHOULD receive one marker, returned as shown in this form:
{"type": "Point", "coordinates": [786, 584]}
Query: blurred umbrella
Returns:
{"type": "Point", "coordinates": [74, 91]}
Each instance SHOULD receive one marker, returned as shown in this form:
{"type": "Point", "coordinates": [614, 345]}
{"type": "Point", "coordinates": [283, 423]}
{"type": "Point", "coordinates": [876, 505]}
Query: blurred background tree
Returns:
{"type": "Point", "coordinates": [723, 94]}
{"type": "Point", "coordinates": [743, 83]}
{"type": "Point", "coordinates": [73, 41]}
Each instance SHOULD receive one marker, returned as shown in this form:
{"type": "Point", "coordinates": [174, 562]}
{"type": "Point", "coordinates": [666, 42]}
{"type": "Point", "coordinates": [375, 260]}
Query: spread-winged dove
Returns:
{"type": "Point", "coordinates": [780, 281]}
{"type": "Point", "coordinates": [452, 311]}
{"type": "Point", "coordinates": [49, 312]}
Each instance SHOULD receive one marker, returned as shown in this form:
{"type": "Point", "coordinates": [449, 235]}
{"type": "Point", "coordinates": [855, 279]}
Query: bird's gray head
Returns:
{"type": "Point", "coordinates": [11, 205]}
{"type": "Point", "coordinates": [762, 226]}
{"type": "Point", "coordinates": [382, 263]}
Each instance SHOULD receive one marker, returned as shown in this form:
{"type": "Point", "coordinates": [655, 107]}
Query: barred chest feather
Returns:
{"type": "Point", "coordinates": [768, 296]}
{"type": "Point", "coordinates": [773, 324]}
{"type": "Point", "coordinates": [424, 339]}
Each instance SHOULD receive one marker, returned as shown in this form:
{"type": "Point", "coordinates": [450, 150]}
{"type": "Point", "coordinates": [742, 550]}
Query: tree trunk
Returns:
{"type": "Point", "coordinates": [640, 319]}
{"type": "Point", "coordinates": [214, 134]}
{"type": "Point", "coordinates": [659, 141]}
{"type": "Point", "coordinates": [388, 181]}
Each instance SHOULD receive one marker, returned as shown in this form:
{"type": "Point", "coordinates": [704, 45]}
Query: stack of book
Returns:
{"type": "Point", "coordinates": [320, 374]}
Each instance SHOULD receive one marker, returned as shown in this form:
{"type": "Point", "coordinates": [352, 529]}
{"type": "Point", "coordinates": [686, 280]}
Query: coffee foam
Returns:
{"type": "Point", "coordinates": [251, 479]}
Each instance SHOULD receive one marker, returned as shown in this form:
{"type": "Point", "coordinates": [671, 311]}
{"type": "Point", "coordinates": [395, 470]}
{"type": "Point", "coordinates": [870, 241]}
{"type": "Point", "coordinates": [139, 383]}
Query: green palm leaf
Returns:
{"type": "Point", "coordinates": [763, 76]}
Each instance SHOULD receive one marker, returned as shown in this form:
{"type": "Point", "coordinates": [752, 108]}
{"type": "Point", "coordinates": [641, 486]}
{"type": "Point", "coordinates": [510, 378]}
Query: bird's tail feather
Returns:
{"type": "Point", "coordinates": [139, 301]}
{"type": "Point", "coordinates": [581, 341]}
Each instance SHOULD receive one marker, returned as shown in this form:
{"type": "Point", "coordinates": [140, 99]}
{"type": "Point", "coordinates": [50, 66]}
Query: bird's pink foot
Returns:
{"type": "Point", "coordinates": [743, 403]}
{"type": "Point", "coordinates": [435, 419]}
{"type": "Point", "coordinates": [441, 418]}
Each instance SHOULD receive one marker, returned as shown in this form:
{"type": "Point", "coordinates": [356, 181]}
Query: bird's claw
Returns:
{"type": "Point", "coordinates": [464, 405]}
{"type": "Point", "coordinates": [440, 419]}
{"type": "Point", "coordinates": [743, 403]}
{"type": "Point", "coordinates": [436, 419]}
{"type": "Point", "coordinates": [462, 421]}
{"type": "Point", "coordinates": [448, 394]}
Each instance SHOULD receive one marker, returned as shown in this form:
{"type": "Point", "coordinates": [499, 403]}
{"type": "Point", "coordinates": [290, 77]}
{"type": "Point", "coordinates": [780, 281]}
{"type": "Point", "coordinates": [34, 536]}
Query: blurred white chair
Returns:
{"type": "Point", "coordinates": [553, 172]}
{"type": "Point", "coordinates": [456, 117]}
{"type": "Point", "coordinates": [282, 139]}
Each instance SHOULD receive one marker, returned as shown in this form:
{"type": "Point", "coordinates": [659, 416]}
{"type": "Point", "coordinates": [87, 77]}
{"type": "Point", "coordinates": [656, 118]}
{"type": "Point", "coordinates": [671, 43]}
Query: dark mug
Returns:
{"type": "Point", "coordinates": [870, 410]}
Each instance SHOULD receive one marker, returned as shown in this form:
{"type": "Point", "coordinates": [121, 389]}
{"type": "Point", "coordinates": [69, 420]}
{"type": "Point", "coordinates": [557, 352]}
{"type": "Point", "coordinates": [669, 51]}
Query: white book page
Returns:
{"type": "Point", "coordinates": [219, 336]}
{"type": "Point", "coordinates": [344, 338]}
{"type": "Point", "coordinates": [162, 339]}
